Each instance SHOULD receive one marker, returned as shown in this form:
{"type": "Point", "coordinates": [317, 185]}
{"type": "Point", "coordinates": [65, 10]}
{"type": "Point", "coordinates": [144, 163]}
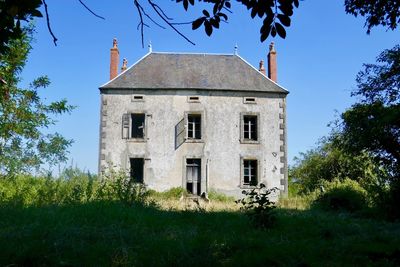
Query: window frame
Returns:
{"type": "Point", "coordinates": [249, 100]}
{"type": "Point", "coordinates": [246, 140]}
{"type": "Point", "coordinates": [137, 98]}
{"type": "Point", "coordinates": [202, 126]}
{"type": "Point", "coordinates": [129, 138]}
{"type": "Point", "coordinates": [242, 169]}
{"type": "Point", "coordinates": [193, 99]}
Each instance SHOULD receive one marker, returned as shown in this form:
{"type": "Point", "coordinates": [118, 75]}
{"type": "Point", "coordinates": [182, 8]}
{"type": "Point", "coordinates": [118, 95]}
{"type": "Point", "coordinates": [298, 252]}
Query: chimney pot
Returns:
{"type": "Point", "coordinates": [124, 64]}
{"type": "Point", "coordinates": [114, 62]}
{"type": "Point", "coordinates": [272, 67]}
{"type": "Point", "coordinates": [262, 67]}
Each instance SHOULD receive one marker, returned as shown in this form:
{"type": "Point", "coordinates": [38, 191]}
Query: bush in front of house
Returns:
{"type": "Point", "coordinates": [345, 195]}
{"type": "Point", "coordinates": [259, 207]}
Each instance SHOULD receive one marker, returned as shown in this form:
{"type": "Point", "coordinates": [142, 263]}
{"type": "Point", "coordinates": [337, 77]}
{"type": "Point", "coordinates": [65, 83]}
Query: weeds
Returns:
{"type": "Point", "coordinates": [259, 207]}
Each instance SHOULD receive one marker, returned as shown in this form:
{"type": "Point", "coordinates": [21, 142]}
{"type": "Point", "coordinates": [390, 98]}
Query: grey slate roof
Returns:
{"type": "Point", "coordinates": [193, 71]}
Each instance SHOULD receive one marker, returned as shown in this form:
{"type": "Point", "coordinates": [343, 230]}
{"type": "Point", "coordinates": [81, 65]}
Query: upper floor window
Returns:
{"type": "Point", "coordinates": [194, 126]}
{"type": "Point", "coordinates": [138, 124]}
{"type": "Point", "coordinates": [134, 126]}
{"type": "Point", "coordinates": [250, 127]}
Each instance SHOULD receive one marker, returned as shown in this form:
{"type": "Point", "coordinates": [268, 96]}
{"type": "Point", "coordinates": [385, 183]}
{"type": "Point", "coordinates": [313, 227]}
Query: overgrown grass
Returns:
{"type": "Point", "coordinates": [110, 232]}
{"type": "Point", "coordinates": [113, 234]}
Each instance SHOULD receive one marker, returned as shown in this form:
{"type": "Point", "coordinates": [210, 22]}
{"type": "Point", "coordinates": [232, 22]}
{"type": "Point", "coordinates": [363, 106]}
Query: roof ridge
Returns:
{"type": "Point", "coordinates": [192, 53]}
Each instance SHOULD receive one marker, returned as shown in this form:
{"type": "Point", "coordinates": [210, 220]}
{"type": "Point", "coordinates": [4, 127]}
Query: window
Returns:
{"type": "Point", "coordinates": [138, 125]}
{"type": "Point", "coordinates": [250, 172]}
{"type": "Point", "coordinates": [193, 176]}
{"type": "Point", "coordinates": [134, 126]}
{"type": "Point", "coordinates": [192, 99]}
{"type": "Point", "coordinates": [137, 98]}
{"type": "Point", "coordinates": [250, 127]}
{"type": "Point", "coordinates": [249, 100]}
{"type": "Point", "coordinates": [136, 170]}
{"type": "Point", "coordinates": [194, 126]}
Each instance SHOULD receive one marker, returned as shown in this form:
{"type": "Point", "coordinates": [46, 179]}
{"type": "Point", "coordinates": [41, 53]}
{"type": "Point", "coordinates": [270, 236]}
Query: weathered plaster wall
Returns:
{"type": "Point", "coordinates": [220, 149]}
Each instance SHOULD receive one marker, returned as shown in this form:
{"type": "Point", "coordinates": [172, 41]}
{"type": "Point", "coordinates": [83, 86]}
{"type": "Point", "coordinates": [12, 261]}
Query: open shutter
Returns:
{"type": "Point", "coordinates": [125, 126]}
{"type": "Point", "coordinates": [180, 133]}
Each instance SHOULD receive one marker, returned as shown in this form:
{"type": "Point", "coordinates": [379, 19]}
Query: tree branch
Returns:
{"type": "Point", "coordinates": [91, 11]}
{"type": "Point", "coordinates": [48, 23]}
{"type": "Point", "coordinates": [165, 18]}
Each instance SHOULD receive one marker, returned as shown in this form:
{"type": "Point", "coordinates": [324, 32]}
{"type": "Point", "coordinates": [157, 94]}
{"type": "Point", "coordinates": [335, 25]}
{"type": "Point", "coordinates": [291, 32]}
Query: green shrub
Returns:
{"type": "Point", "coordinates": [259, 207]}
{"type": "Point", "coordinates": [216, 196]}
{"type": "Point", "coordinates": [116, 185]}
{"type": "Point", "coordinates": [173, 193]}
{"type": "Point", "coordinates": [342, 196]}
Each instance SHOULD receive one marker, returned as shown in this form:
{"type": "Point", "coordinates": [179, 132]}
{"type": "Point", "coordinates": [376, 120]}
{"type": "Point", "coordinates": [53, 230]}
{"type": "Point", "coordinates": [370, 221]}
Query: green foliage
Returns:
{"type": "Point", "coordinates": [24, 115]}
{"type": "Point", "coordinates": [173, 193]}
{"type": "Point", "coordinates": [117, 185]}
{"type": "Point", "coordinates": [345, 195]}
{"type": "Point", "coordinates": [11, 14]}
{"type": "Point", "coordinates": [214, 195]}
{"type": "Point", "coordinates": [372, 125]}
{"type": "Point", "coordinates": [73, 186]}
{"type": "Point", "coordinates": [258, 206]}
{"type": "Point", "coordinates": [377, 12]}
{"type": "Point", "coordinates": [328, 162]}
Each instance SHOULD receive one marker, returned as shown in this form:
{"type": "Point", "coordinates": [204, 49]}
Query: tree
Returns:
{"type": "Point", "coordinates": [377, 12]}
{"type": "Point", "coordinates": [373, 124]}
{"type": "Point", "coordinates": [328, 162]}
{"type": "Point", "coordinates": [23, 115]}
{"type": "Point", "coordinates": [276, 15]}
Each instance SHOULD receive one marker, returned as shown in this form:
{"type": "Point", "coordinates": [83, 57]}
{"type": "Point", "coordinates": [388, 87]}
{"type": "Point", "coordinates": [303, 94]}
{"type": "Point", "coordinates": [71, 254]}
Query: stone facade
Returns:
{"type": "Point", "coordinates": [200, 139]}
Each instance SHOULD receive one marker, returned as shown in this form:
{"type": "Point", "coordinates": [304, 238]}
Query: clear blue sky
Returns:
{"type": "Point", "coordinates": [317, 62]}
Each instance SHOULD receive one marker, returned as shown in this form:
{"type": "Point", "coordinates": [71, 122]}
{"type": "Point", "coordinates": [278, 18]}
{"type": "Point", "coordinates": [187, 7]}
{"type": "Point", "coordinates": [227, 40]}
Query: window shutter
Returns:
{"type": "Point", "coordinates": [125, 126]}
{"type": "Point", "coordinates": [180, 133]}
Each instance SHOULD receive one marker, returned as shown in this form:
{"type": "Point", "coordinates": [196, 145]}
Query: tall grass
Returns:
{"type": "Point", "coordinates": [78, 219]}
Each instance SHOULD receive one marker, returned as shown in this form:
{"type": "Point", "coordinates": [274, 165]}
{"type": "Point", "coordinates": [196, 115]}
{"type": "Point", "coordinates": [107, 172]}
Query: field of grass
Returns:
{"type": "Point", "coordinates": [109, 233]}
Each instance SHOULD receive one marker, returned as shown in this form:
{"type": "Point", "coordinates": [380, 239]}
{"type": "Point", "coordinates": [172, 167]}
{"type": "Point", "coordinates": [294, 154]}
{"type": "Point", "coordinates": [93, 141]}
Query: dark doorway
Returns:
{"type": "Point", "coordinates": [193, 176]}
{"type": "Point", "coordinates": [136, 172]}
{"type": "Point", "coordinates": [138, 121]}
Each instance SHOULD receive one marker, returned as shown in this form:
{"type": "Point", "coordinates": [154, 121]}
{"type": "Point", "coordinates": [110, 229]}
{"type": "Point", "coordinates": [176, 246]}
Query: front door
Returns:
{"type": "Point", "coordinates": [193, 176]}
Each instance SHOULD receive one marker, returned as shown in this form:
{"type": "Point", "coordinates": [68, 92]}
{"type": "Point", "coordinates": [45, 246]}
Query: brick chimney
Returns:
{"type": "Point", "coordinates": [114, 62]}
{"type": "Point", "coordinates": [262, 67]}
{"type": "Point", "coordinates": [272, 72]}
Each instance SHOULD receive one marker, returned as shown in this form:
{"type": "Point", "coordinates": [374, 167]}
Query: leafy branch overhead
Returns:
{"type": "Point", "coordinates": [276, 15]}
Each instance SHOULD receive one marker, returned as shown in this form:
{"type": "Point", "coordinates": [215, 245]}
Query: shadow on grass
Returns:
{"type": "Point", "coordinates": [112, 234]}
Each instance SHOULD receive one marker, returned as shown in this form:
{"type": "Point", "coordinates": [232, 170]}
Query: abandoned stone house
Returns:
{"type": "Point", "coordinates": [198, 121]}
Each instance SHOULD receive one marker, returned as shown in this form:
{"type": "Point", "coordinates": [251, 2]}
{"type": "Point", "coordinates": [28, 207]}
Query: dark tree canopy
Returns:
{"type": "Point", "coordinates": [373, 124]}
{"type": "Point", "coordinates": [376, 12]}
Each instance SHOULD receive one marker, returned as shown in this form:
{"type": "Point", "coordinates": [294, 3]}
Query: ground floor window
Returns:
{"type": "Point", "coordinates": [136, 169]}
{"type": "Point", "coordinates": [193, 176]}
{"type": "Point", "coordinates": [250, 174]}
